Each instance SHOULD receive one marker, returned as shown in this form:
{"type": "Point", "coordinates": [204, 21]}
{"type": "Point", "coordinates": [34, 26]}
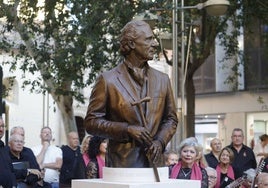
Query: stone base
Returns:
{"type": "Point", "coordinates": [134, 175]}
{"type": "Point", "coordinates": [99, 183]}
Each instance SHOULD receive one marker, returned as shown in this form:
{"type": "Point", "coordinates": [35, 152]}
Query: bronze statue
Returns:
{"type": "Point", "coordinates": [133, 104]}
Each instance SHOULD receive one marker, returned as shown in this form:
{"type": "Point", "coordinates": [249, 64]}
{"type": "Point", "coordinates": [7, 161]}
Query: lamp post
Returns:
{"type": "Point", "coordinates": [214, 8]}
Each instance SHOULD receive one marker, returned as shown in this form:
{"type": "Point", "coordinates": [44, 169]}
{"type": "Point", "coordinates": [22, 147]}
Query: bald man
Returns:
{"type": "Point", "coordinates": [73, 166]}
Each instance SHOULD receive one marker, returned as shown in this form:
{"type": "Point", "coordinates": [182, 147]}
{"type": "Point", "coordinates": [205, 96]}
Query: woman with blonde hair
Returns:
{"type": "Point", "coordinates": [84, 148]}
{"type": "Point", "coordinates": [225, 172]}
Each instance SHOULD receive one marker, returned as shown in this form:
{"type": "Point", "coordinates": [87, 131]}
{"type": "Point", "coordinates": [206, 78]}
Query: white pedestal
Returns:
{"type": "Point", "coordinates": [171, 183]}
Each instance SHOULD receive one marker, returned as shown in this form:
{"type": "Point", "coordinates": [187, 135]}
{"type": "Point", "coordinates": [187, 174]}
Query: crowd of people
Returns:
{"type": "Point", "coordinates": [230, 166]}
{"type": "Point", "coordinates": [46, 165]}
{"type": "Point", "coordinates": [234, 165]}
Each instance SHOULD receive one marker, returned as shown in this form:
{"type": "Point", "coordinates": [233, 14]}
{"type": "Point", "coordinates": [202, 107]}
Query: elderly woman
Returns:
{"type": "Point", "coordinates": [212, 177]}
{"type": "Point", "coordinates": [97, 150]}
{"type": "Point", "coordinates": [187, 167]}
{"type": "Point", "coordinates": [225, 172]}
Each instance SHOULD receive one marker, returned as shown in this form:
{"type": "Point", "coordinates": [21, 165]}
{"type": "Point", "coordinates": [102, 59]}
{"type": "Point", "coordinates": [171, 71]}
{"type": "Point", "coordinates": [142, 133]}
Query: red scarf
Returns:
{"type": "Point", "coordinates": [101, 164]}
{"type": "Point", "coordinates": [196, 173]}
{"type": "Point", "coordinates": [230, 174]}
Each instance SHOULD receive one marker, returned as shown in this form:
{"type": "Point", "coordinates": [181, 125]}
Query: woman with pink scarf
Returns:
{"type": "Point", "coordinates": [225, 172]}
{"type": "Point", "coordinates": [187, 167]}
{"type": "Point", "coordinates": [97, 150]}
{"type": "Point", "coordinates": [84, 148]}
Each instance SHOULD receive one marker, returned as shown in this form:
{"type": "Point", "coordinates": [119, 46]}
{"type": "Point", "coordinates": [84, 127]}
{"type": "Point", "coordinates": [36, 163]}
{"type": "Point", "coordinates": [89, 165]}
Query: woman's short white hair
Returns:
{"type": "Point", "coordinates": [190, 142]}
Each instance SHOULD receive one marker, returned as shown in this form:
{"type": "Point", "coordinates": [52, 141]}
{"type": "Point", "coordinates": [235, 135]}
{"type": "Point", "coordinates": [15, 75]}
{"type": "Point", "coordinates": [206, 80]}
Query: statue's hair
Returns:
{"type": "Point", "coordinates": [129, 33]}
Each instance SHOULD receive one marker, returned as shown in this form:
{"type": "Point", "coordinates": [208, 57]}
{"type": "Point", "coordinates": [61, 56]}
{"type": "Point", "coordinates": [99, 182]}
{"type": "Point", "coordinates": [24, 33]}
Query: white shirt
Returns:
{"type": "Point", "coordinates": [51, 155]}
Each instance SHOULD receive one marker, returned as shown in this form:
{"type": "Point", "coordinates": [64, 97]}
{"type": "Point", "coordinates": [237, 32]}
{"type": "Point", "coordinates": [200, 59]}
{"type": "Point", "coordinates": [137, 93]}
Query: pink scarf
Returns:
{"type": "Point", "coordinates": [196, 173]}
{"type": "Point", "coordinates": [230, 174]}
{"type": "Point", "coordinates": [86, 158]}
{"type": "Point", "coordinates": [101, 164]}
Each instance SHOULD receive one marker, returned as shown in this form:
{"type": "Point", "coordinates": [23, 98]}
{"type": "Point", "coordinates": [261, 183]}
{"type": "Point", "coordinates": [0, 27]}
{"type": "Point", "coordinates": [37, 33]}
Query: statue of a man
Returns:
{"type": "Point", "coordinates": [133, 104]}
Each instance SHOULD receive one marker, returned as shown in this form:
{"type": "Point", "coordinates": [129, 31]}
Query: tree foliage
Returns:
{"type": "Point", "coordinates": [70, 41]}
{"type": "Point", "coordinates": [60, 39]}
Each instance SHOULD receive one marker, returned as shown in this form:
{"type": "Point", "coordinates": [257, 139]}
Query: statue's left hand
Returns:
{"type": "Point", "coordinates": [155, 150]}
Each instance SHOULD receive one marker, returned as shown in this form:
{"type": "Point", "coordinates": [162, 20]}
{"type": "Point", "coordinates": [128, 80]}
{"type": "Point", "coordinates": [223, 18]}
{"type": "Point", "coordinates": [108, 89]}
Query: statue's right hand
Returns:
{"type": "Point", "coordinates": [141, 134]}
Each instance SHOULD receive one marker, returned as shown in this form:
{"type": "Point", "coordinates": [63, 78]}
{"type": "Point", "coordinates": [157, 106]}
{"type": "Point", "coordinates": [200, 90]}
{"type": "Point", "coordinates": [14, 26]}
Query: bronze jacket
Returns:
{"type": "Point", "coordinates": [110, 112]}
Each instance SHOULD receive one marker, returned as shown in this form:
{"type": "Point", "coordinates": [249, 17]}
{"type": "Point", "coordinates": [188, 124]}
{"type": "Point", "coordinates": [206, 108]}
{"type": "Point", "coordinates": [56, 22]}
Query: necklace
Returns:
{"type": "Point", "coordinates": [186, 173]}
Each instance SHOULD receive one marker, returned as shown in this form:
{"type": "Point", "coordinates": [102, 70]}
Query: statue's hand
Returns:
{"type": "Point", "coordinates": [155, 150]}
{"type": "Point", "coordinates": [141, 134]}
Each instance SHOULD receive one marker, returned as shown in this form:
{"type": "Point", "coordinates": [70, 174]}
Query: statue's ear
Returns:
{"type": "Point", "coordinates": [131, 44]}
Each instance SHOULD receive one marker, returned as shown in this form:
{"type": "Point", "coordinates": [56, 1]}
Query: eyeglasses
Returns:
{"type": "Point", "coordinates": [2, 126]}
{"type": "Point", "coordinates": [212, 177]}
{"type": "Point", "coordinates": [19, 141]}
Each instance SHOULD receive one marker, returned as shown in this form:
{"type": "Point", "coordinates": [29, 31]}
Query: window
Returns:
{"type": "Point", "coordinates": [256, 55]}
{"type": "Point", "coordinates": [204, 77]}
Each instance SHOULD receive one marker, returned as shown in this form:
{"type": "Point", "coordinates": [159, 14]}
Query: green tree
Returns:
{"type": "Point", "coordinates": [78, 35]}
{"type": "Point", "coordinates": [60, 39]}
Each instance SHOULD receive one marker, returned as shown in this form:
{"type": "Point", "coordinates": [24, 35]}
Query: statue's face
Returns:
{"type": "Point", "coordinates": [145, 44]}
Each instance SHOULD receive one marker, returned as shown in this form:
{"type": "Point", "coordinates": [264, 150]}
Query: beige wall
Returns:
{"type": "Point", "coordinates": [235, 108]}
{"type": "Point", "coordinates": [231, 102]}
{"type": "Point", "coordinates": [231, 121]}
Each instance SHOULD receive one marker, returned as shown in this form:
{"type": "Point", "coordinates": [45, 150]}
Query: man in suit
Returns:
{"type": "Point", "coordinates": [138, 133]}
